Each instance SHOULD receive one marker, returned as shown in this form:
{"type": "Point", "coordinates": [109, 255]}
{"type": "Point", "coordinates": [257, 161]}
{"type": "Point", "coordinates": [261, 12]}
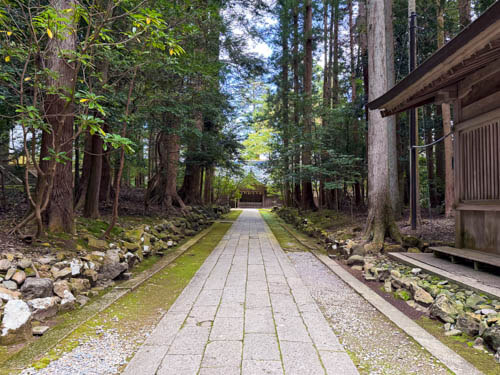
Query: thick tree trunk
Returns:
{"type": "Point", "coordinates": [307, 190]}
{"type": "Point", "coordinates": [381, 221]}
{"type": "Point", "coordinates": [162, 188]}
{"type": "Point", "coordinates": [391, 120]}
{"type": "Point", "coordinates": [59, 114]}
{"type": "Point", "coordinates": [91, 208]}
{"type": "Point", "coordinates": [191, 188]}
{"type": "Point", "coordinates": [208, 186]}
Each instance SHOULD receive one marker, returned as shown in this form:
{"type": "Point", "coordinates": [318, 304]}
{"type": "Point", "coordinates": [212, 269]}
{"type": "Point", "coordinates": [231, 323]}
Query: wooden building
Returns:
{"type": "Point", "coordinates": [465, 73]}
{"type": "Point", "coordinates": [256, 196]}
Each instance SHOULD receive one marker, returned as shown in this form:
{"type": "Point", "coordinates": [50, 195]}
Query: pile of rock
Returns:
{"type": "Point", "coordinates": [38, 288]}
{"type": "Point", "coordinates": [462, 311]}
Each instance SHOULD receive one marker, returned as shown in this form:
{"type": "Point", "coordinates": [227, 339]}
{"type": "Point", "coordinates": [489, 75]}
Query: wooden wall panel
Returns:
{"type": "Point", "coordinates": [480, 230]}
{"type": "Point", "coordinates": [479, 177]}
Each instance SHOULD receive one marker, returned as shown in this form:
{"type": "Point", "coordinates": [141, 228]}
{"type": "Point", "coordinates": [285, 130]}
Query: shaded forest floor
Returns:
{"type": "Point", "coordinates": [344, 225]}
{"type": "Point", "coordinates": [15, 206]}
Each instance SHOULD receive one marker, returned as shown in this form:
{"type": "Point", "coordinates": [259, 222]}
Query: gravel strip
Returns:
{"type": "Point", "coordinates": [379, 346]}
{"type": "Point", "coordinates": [100, 355]}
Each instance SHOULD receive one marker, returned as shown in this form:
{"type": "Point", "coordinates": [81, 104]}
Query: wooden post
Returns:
{"type": "Point", "coordinates": [413, 121]}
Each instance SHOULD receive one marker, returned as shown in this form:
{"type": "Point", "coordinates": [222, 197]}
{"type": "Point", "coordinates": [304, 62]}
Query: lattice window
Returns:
{"type": "Point", "coordinates": [479, 162]}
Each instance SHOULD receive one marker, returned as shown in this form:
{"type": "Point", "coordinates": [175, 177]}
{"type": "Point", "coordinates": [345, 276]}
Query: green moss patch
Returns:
{"type": "Point", "coordinates": [135, 312]}
{"type": "Point", "coordinates": [460, 344]}
{"type": "Point", "coordinates": [232, 215]}
{"type": "Point", "coordinates": [286, 241]}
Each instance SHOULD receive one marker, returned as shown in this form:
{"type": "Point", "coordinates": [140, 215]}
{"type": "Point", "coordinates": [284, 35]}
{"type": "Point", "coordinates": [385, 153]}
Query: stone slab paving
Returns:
{"type": "Point", "coordinates": [246, 311]}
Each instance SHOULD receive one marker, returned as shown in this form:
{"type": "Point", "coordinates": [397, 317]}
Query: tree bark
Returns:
{"type": "Point", "coordinates": [307, 190]}
{"type": "Point", "coordinates": [296, 109]}
{"type": "Point", "coordinates": [190, 191]}
{"type": "Point", "coordinates": [208, 186]}
{"type": "Point", "coordinates": [391, 120]}
{"type": "Point", "coordinates": [464, 8]}
{"type": "Point", "coordinates": [91, 208]}
{"type": "Point", "coordinates": [60, 114]}
{"type": "Point", "coordinates": [429, 156]}
{"type": "Point", "coordinates": [119, 172]}
{"type": "Point", "coordinates": [381, 221]}
{"type": "Point", "coordinates": [285, 100]}
{"type": "Point", "coordinates": [446, 113]}
{"type": "Point", "coordinates": [162, 188]}
{"type": "Point", "coordinates": [105, 189]}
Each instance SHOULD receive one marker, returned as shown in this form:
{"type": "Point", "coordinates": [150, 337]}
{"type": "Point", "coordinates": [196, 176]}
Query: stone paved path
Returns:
{"type": "Point", "coordinates": [246, 311]}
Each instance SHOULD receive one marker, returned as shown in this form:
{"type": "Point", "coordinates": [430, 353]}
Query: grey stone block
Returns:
{"type": "Point", "coordinates": [222, 354]}
{"type": "Point", "coordinates": [300, 358]}
{"type": "Point", "coordinates": [338, 363]}
{"type": "Point", "coordinates": [190, 340]}
{"type": "Point", "coordinates": [146, 361]}
{"type": "Point", "coordinates": [259, 321]}
{"type": "Point", "coordinates": [291, 328]}
{"type": "Point", "coordinates": [180, 364]}
{"type": "Point", "coordinates": [227, 329]}
{"type": "Point", "coordinates": [252, 367]}
{"type": "Point", "coordinates": [259, 346]}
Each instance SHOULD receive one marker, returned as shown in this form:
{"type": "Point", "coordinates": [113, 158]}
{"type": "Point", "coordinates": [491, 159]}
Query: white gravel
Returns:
{"type": "Point", "coordinates": [101, 355]}
{"type": "Point", "coordinates": [379, 346]}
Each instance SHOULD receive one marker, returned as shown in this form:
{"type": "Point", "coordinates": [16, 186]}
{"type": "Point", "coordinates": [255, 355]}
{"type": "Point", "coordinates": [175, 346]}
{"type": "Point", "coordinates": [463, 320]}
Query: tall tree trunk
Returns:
{"type": "Point", "coordinates": [362, 25]}
{"type": "Point", "coordinates": [60, 114]}
{"type": "Point", "coordinates": [105, 189]}
{"type": "Point", "coordinates": [296, 110]}
{"type": "Point", "coordinates": [121, 160]}
{"type": "Point", "coordinates": [162, 188]}
{"type": "Point", "coordinates": [429, 156]}
{"type": "Point", "coordinates": [285, 100]}
{"type": "Point", "coordinates": [91, 208]}
{"type": "Point", "coordinates": [393, 151]}
{"type": "Point", "coordinates": [208, 187]}
{"type": "Point", "coordinates": [323, 193]}
{"type": "Point", "coordinates": [190, 191]}
{"type": "Point", "coordinates": [446, 115]}
{"type": "Point", "coordinates": [307, 190]}
{"type": "Point", "coordinates": [381, 220]}
{"type": "Point", "coordinates": [81, 192]}
{"type": "Point", "coordinates": [412, 8]}
{"type": "Point", "coordinates": [354, 98]}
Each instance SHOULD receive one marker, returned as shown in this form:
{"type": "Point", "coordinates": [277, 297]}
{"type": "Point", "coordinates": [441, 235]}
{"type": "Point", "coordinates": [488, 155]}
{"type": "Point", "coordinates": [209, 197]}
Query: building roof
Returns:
{"type": "Point", "coordinates": [434, 81]}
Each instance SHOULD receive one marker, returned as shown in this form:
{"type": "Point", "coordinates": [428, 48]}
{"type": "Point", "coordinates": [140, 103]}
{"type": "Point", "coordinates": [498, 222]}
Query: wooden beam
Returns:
{"type": "Point", "coordinates": [466, 85]}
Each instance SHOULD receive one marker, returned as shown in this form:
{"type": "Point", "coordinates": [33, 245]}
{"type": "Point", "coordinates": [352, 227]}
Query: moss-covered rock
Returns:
{"type": "Point", "coordinates": [402, 294]}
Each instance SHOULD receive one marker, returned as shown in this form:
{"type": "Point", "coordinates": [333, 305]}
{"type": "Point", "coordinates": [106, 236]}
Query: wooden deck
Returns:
{"type": "Point", "coordinates": [474, 255]}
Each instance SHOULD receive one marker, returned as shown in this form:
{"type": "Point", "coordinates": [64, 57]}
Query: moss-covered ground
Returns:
{"type": "Point", "coordinates": [462, 345]}
{"type": "Point", "coordinates": [286, 241]}
{"type": "Point", "coordinates": [134, 312]}
{"type": "Point", "coordinates": [232, 215]}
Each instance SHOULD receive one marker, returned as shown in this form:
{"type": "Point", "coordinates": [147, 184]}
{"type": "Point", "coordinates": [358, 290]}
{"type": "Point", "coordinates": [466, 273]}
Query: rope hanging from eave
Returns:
{"type": "Point", "coordinates": [435, 142]}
